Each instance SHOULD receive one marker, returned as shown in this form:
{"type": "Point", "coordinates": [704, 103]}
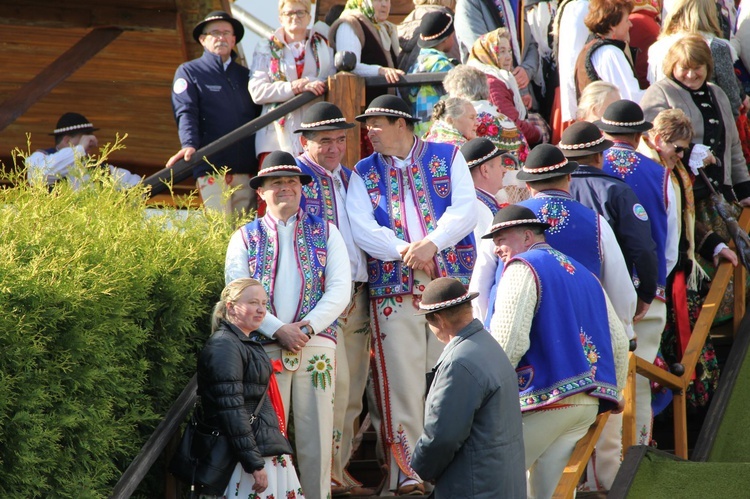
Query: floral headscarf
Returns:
{"type": "Point", "coordinates": [385, 29]}
{"type": "Point", "coordinates": [364, 6]}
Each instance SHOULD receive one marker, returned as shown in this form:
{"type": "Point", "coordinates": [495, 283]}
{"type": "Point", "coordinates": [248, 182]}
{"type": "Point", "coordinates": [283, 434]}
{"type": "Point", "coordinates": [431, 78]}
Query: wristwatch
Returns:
{"type": "Point", "coordinates": [308, 331]}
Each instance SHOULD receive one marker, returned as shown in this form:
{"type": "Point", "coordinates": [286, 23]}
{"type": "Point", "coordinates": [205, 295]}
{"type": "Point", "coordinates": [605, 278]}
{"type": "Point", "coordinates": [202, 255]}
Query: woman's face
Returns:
{"type": "Point", "coordinates": [382, 9]}
{"type": "Point", "coordinates": [692, 78]}
{"type": "Point", "coordinates": [621, 31]}
{"type": "Point", "coordinates": [249, 310]}
{"type": "Point", "coordinates": [294, 18]}
{"type": "Point", "coordinates": [466, 124]}
{"type": "Point", "coordinates": [504, 54]}
{"type": "Point", "coordinates": [671, 152]}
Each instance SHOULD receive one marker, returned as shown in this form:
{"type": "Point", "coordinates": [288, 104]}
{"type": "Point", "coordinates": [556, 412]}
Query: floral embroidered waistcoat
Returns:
{"type": "Point", "coordinates": [649, 181]}
{"type": "Point", "coordinates": [570, 344]}
{"type": "Point", "coordinates": [488, 200]}
{"type": "Point", "coordinates": [311, 253]}
{"type": "Point", "coordinates": [574, 227]}
{"type": "Point", "coordinates": [429, 181]}
{"type": "Point", "coordinates": [319, 195]}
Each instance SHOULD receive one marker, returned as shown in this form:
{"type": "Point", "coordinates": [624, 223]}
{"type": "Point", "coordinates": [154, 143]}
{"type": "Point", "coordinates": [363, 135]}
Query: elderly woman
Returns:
{"type": "Point", "coordinates": [234, 376]}
{"type": "Point", "coordinates": [293, 60]}
{"type": "Point", "coordinates": [492, 54]}
{"type": "Point", "coordinates": [454, 121]}
{"type": "Point", "coordinates": [666, 144]}
{"type": "Point", "coordinates": [606, 56]}
{"type": "Point", "coordinates": [408, 30]}
{"type": "Point", "coordinates": [699, 17]}
{"type": "Point", "coordinates": [595, 98]}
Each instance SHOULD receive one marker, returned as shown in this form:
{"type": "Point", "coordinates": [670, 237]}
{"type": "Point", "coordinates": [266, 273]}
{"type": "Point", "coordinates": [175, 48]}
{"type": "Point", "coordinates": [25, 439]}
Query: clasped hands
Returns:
{"type": "Point", "coordinates": [420, 255]}
{"type": "Point", "coordinates": [291, 337]}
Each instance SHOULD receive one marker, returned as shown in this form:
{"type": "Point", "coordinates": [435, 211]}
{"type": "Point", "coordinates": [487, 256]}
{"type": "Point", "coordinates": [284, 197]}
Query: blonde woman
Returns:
{"type": "Point", "coordinates": [595, 98]}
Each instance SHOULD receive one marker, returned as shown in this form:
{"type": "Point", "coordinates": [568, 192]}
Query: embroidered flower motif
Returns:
{"type": "Point", "coordinates": [556, 214]}
{"type": "Point", "coordinates": [621, 162]}
{"type": "Point", "coordinates": [320, 368]}
{"type": "Point", "coordinates": [564, 261]}
{"type": "Point", "coordinates": [589, 348]}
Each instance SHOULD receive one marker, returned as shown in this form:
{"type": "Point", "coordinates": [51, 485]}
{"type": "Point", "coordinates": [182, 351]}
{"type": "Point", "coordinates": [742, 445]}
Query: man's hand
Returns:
{"type": "Point", "coordinates": [522, 78]}
{"type": "Point", "coordinates": [419, 255]}
{"type": "Point", "coordinates": [184, 153]}
{"type": "Point", "coordinates": [640, 310]}
{"type": "Point", "coordinates": [89, 143]}
{"type": "Point", "coordinates": [261, 480]}
{"type": "Point", "coordinates": [291, 337]}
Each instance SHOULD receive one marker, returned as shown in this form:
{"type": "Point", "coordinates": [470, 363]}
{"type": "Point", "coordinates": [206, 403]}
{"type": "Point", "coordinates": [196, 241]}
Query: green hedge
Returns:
{"type": "Point", "coordinates": [102, 312]}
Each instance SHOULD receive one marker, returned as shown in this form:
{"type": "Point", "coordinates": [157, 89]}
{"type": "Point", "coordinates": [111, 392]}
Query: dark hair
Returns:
{"type": "Point", "coordinates": [334, 13]}
{"type": "Point", "coordinates": [606, 14]}
{"type": "Point", "coordinates": [393, 119]}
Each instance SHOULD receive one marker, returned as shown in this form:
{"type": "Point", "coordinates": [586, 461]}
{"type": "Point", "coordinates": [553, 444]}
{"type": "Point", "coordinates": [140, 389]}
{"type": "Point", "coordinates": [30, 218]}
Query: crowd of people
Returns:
{"type": "Point", "coordinates": [474, 246]}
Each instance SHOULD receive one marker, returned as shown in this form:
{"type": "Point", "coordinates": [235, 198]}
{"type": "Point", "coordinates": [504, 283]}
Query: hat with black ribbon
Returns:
{"type": "Point", "coordinates": [513, 215]}
{"type": "Point", "coordinates": [219, 15]}
{"type": "Point", "coordinates": [623, 116]}
{"type": "Point", "coordinates": [323, 116]}
{"type": "Point", "coordinates": [545, 161]}
{"type": "Point", "coordinates": [388, 105]}
{"type": "Point", "coordinates": [279, 164]}
{"type": "Point", "coordinates": [442, 293]}
{"type": "Point", "coordinates": [581, 139]}
{"type": "Point", "coordinates": [434, 28]}
{"type": "Point", "coordinates": [73, 124]}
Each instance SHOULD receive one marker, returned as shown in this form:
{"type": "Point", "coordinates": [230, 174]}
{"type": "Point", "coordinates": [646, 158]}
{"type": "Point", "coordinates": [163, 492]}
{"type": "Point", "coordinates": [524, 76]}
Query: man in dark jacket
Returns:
{"type": "Point", "coordinates": [210, 99]}
{"type": "Point", "coordinates": [472, 443]}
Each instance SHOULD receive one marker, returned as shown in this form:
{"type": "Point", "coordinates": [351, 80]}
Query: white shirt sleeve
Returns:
{"type": "Point", "coordinates": [52, 167]}
{"type": "Point", "coordinates": [613, 67]}
{"type": "Point", "coordinates": [346, 40]}
{"type": "Point", "coordinates": [515, 305]}
{"type": "Point", "coordinates": [572, 38]}
{"type": "Point", "coordinates": [460, 218]}
{"type": "Point", "coordinates": [616, 280]}
{"type": "Point", "coordinates": [483, 277]}
{"type": "Point", "coordinates": [123, 177]}
{"type": "Point", "coordinates": [673, 227]}
{"type": "Point", "coordinates": [377, 241]}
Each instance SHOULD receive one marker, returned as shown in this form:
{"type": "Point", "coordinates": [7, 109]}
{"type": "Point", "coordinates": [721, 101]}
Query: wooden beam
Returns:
{"type": "Point", "coordinates": [347, 91]}
{"type": "Point", "coordinates": [629, 435]}
{"type": "Point", "coordinates": [60, 15]}
{"type": "Point", "coordinates": [566, 487]}
{"type": "Point", "coordinates": [54, 74]}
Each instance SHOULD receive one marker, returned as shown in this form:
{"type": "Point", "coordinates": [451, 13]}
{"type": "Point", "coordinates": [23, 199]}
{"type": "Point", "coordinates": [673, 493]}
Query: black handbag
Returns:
{"type": "Point", "coordinates": [204, 458]}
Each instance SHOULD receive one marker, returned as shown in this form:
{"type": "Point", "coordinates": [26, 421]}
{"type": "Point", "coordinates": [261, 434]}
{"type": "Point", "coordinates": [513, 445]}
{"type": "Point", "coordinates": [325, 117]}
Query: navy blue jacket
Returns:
{"type": "Point", "coordinates": [208, 103]}
{"type": "Point", "coordinates": [615, 200]}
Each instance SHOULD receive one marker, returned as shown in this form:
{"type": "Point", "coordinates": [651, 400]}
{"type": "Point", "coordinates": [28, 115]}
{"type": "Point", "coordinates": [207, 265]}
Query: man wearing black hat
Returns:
{"type": "Point", "coordinates": [623, 122]}
{"type": "Point", "coordinates": [210, 98]}
{"type": "Point", "coordinates": [414, 202]}
{"type": "Point", "coordinates": [302, 262]}
{"type": "Point", "coordinates": [572, 322]}
{"type": "Point", "coordinates": [74, 140]}
{"type": "Point", "coordinates": [472, 444]}
{"type": "Point", "coordinates": [436, 38]}
{"type": "Point", "coordinates": [323, 130]}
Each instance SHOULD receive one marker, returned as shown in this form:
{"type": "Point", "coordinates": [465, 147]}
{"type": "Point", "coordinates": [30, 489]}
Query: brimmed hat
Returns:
{"type": "Point", "coordinates": [513, 216]}
{"type": "Point", "coordinates": [442, 293]}
{"type": "Point", "coordinates": [388, 105]}
{"type": "Point", "coordinates": [480, 150]}
{"type": "Point", "coordinates": [72, 124]}
{"type": "Point", "coordinates": [219, 15]}
{"type": "Point", "coordinates": [279, 164]}
{"type": "Point", "coordinates": [623, 116]}
{"type": "Point", "coordinates": [323, 116]}
{"type": "Point", "coordinates": [434, 28]}
{"type": "Point", "coordinates": [581, 139]}
{"type": "Point", "coordinates": [545, 161]}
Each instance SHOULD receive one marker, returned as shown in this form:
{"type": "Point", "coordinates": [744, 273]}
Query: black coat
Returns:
{"type": "Point", "coordinates": [233, 372]}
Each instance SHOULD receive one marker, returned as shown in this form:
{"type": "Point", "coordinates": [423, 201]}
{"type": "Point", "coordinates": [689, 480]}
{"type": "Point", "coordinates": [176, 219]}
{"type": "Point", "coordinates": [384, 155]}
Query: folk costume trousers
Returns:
{"type": "Point", "coordinates": [217, 193]}
{"type": "Point", "coordinates": [352, 367]}
{"type": "Point", "coordinates": [308, 392]}
{"type": "Point", "coordinates": [404, 350]}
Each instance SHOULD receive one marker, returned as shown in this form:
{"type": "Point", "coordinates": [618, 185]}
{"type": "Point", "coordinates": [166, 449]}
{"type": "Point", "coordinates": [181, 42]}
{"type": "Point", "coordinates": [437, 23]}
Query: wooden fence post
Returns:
{"type": "Point", "coordinates": [347, 91]}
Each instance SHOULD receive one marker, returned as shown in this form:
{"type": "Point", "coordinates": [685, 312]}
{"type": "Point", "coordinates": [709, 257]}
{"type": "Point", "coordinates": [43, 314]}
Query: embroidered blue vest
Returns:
{"type": "Point", "coordinates": [429, 181]}
{"type": "Point", "coordinates": [570, 343]}
{"type": "Point", "coordinates": [488, 200]}
{"type": "Point", "coordinates": [574, 227]}
{"type": "Point", "coordinates": [649, 181]}
{"type": "Point", "coordinates": [311, 250]}
{"type": "Point", "coordinates": [318, 196]}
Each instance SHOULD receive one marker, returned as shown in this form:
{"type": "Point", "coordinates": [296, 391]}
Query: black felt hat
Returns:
{"type": "Point", "coordinates": [545, 161]}
{"type": "Point", "coordinates": [279, 164]}
{"type": "Point", "coordinates": [480, 150]}
{"type": "Point", "coordinates": [388, 105]}
{"type": "Point", "coordinates": [434, 28]}
{"type": "Point", "coordinates": [581, 139]}
{"type": "Point", "coordinates": [623, 116]}
{"type": "Point", "coordinates": [513, 215]}
{"type": "Point", "coordinates": [442, 293]}
{"type": "Point", "coordinates": [219, 15]}
{"type": "Point", "coordinates": [73, 124]}
{"type": "Point", "coordinates": [323, 116]}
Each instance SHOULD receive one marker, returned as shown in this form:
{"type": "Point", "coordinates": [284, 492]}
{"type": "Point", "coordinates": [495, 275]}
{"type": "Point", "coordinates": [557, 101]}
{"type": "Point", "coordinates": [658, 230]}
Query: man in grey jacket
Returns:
{"type": "Point", "coordinates": [472, 443]}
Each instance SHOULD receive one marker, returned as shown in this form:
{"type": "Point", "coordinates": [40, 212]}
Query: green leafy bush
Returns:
{"type": "Point", "coordinates": [102, 312]}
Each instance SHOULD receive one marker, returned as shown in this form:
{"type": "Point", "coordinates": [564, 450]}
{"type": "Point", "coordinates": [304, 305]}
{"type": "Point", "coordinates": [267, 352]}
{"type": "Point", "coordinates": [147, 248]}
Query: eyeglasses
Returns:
{"type": "Point", "coordinates": [679, 149]}
{"type": "Point", "coordinates": [299, 14]}
{"type": "Point", "coordinates": [220, 34]}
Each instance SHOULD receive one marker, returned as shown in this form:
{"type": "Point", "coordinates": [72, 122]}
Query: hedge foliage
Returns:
{"type": "Point", "coordinates": [102, 312]}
